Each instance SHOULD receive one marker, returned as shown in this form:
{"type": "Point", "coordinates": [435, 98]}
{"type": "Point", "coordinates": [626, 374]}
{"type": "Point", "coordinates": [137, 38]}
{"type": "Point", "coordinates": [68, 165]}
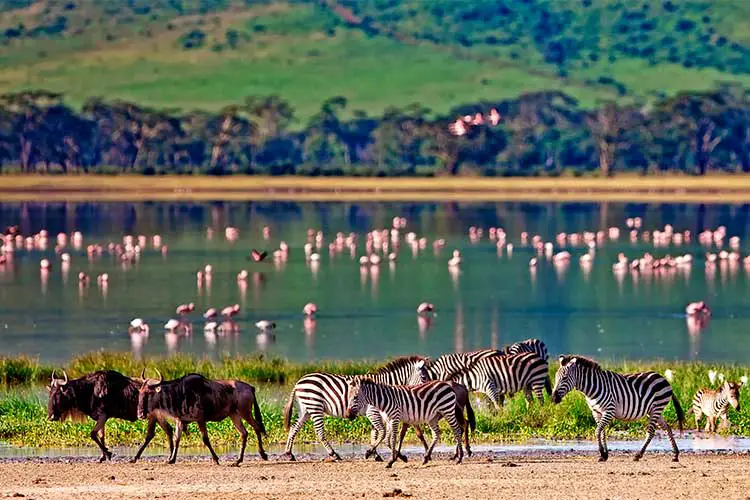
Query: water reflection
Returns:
{"type": "Point", "coordinates": [493, 289]}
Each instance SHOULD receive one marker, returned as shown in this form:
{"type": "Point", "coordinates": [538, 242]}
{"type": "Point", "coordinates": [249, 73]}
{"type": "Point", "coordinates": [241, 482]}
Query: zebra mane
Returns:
{"type": "Point", "coordinates": [400, 363]}
{"type": "Point", "coordinates": [580, 361]}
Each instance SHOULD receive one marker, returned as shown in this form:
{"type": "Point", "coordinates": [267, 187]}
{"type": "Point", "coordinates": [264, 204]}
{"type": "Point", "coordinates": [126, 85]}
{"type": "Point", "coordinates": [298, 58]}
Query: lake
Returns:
{"type": "Point", "coordinates": [494, 299]}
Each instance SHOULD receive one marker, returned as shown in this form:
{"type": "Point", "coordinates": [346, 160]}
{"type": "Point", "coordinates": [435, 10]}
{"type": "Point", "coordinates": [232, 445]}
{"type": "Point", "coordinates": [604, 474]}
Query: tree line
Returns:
{"type": "Point", "coordinates": [542, 133]}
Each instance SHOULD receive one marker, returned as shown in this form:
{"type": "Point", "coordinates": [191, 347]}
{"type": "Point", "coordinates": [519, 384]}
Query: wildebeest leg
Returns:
{"type": "Point", "coordinates": [420, 434]}
{"type": "Point", "coordinates": [106, 455]}
{"type": "Point", "coordinates": [237, 421]}
{"type": "Point", "coordinates": [404, 428]}
{"type": "Point", "coordinates": [258, 432]}
{"type": "Point", "coordinates": [204, 433]}
{"type": "Point", "coordinates": [150, 431]}
{"type": "Point", "coordinates": [177, 436]}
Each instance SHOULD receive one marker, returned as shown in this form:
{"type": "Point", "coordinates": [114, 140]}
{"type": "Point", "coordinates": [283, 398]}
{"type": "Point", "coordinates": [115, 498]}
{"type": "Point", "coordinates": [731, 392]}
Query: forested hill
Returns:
{"type": "Point", "coordinates": [441, 53]}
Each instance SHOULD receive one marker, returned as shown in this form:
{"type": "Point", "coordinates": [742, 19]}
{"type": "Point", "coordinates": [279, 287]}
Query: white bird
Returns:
{"type": "Point", "coordinates": [743, 379]}
{"type": "Point", "coordinates": [137, 325]}
{"type": "Point", "coordinates": [712, 376]}
{"type": "Point", "coordinates": [669, 375]}
{"type": "Point", "coordinates": [172, 325]}
{"type": "Point", "coordinates": [265, 325]}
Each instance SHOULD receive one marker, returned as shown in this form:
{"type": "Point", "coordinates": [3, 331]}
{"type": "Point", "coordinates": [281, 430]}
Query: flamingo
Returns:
{"type": "Point", "coordinates": [310, 309]}
{"type": "Point", "coordinates": [44, 264]}
{"type": "Point", "coordinates": [211, 313]}
{"type": "Point", "coordinates": [184, 309]}
{"type": "Point", "coordinates": [83, 278]}
{"type": "Point", "coordinates": [172, 325]}
{"type": "Point", "coordinates": [425, 307]}
{"type": "Point", "coordinates": [265, 325]}
{"type": "Point", "coordinates": [698, 309]}
{"type": "Point", "coordinates": [230, 311]}
{"type": "Point", "coordinates": [137, 325]}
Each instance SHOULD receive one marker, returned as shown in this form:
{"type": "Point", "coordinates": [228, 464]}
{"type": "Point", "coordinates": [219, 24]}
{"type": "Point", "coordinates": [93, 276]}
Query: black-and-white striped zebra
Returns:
{"type": "Point", "coordinates": [498, 376]}
{"type": "Point", "coordinates": [443, 367]}
{"type": "Point", "coordinates": [714, 404]}
{"type": "Point", "coordinates": [528, 345]}
{"type": "Point", "coordinates": [319, 394]}
{"type": "Point", "coordinates": [612, 395]}
{"type": "Point", "coordinates": [421, 404]}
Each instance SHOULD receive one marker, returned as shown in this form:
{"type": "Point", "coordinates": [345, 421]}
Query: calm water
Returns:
{"type": "Point", "coordinates": [494, 300]}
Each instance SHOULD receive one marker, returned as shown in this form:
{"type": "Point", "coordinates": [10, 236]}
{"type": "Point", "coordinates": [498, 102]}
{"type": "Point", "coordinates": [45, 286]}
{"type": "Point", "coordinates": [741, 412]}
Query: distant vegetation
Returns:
{"type": "Point", "coordinates": [543, 133]}
{"type": "Point", "coordinates": [23, 412]}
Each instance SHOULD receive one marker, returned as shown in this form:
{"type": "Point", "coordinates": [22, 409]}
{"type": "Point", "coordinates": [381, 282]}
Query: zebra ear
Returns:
{"type": "Point", "coordinates": [419, 364]}
{"type": "Point", "coordinates": [561, 359]}
{"type": "Point", "coordinates": [573, 360]}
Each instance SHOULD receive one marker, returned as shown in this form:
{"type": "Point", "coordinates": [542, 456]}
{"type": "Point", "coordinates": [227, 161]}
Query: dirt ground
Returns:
{"type": "Point", "coordinates": [527, 477]}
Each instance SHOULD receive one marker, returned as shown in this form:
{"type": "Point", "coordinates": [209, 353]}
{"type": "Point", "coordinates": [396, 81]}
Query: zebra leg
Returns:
{"type": "Point", "coordinates": [664, 425]}
{"type": "Point", "coordinates": [601, 424]}
{"type": "Point", "coordinates": [698, 414]}
{"type": "Point", "coordinates": [392, 428]}
{"type": "Point", "coordinates": [435, 428]}
{"type": "Point", "coordinates": [404, 428]}
{"type": "Point", "coordinates": [458, 430]}
{"type": "Point", "coordinates": [301, 419]}
{"type": "Point", "coordinates": [377, 435]}
{"type": "Point", "coordinates": [539, 393]}
{"type": "Point", "coordinates": [420, 434]}
{"type": "Point", "coordinates": [723, 425]}
{"type": "Point", "coordinates": [710, 424]}
{"type": "Point", "coordinates": [650, 431]}
{"type": "Point", "coordinates": [317, 419]}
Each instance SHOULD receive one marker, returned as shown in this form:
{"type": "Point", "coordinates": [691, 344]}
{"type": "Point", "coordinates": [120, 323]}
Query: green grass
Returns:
{"type": "Point", "coordinates": [23, 410]}
{"type": "Point", "coordinates": [306, 53]}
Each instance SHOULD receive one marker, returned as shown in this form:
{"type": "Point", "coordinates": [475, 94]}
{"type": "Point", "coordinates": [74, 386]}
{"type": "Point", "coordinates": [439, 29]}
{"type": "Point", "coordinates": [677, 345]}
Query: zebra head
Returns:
{"type": "Point", "coordinates": [566, 378]}
{"type": "Point", "coordinates": [731, 391]}
{"type": "Point", "coordinates": [353, 400]}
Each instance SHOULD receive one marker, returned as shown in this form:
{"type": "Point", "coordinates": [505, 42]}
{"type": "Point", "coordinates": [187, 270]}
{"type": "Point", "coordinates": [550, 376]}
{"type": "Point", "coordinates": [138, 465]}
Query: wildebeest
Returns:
{"type": "Point", "coordinates": [194, 398]}
{"type": "Point", "coordinates": [100, 395]}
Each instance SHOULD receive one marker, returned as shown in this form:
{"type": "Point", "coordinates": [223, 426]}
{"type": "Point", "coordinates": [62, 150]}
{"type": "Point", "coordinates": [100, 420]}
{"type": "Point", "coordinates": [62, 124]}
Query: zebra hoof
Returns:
{"type": "Point", "coordinates": [389, 465]}
{"type": "Point", "coordinates": [637, 458]}
{"type": "Point", "coordinates": [290, 456]}
{"type": "Point", "coordinates": [370, 452]}
{"type": "Point", "coordinates": [378, 458]}
{"type": "Point", "coordinates": [403, 458]}
{"type": "Point", "coordinates": [675, 459]}
{"type": "Point", "coordinates": [264, 455]}
{"type": "Point", "coordinates": [603, 458]}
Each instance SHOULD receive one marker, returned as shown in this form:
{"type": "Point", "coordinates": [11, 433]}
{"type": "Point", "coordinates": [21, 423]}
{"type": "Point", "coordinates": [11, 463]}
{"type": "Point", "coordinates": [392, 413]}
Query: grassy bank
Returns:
{"type": "Point", "coordinates": [674, 188]}
{"type": "Point", "coordinates": [23, 406]}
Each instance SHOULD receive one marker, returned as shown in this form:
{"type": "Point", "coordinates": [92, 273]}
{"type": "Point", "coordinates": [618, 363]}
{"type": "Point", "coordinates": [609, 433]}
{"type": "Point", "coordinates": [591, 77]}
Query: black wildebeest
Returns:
{"type": "Point", "coordinates": [100, 395]}
{"type": "Point", "coordinates": [194, 398]}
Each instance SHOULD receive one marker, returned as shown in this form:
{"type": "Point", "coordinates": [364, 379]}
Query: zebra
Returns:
{"type": "Point", "coordinates": [497, 376]}
{"type": "Point", "coordinates": [318, 394]}
{"type": "Point", "coordinates": [714, 404]}
{"type": "Point", "coordinates": [424, 403]}
{"type": "Point", "coordinates": [529, 345]}
{"type": "Point", "coordinates": [612, 395]}
{"type": "Point", "coordinates": [444, 366]}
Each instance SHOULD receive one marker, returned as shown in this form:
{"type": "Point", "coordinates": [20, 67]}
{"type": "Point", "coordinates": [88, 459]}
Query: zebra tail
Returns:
{"type": "Point", "coordinates": [470, 416]}
{"type": "Point", "coordinates": [288, 410]}
{"type": "Point", "coordinates": [258, 416]}
{"type": "Point", "coordinates": [680, 413]}
{"type": "Point", "coordinates": [548, 386]}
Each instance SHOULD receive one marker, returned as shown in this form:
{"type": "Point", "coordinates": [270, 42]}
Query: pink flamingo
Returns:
{"type": "Point", "coordinates": [425, 307]}
{"type": "Point", "coordinates": [184, 309]}
{"type": "Point", "coordinates": [230, 311]}
{"type": "Point", "coordinates": [698, 309]}
{"type": "Point", "coordinates": [310, 309]}
{"type": "Point", "coordinates": [211, 313]}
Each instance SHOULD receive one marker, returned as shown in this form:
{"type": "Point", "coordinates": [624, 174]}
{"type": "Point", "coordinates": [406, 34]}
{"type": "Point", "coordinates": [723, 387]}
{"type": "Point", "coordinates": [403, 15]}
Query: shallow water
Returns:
{"type": "Point", "coordinates": [492, 301]}
{"type": "Point", "coordinates": [533, 446]}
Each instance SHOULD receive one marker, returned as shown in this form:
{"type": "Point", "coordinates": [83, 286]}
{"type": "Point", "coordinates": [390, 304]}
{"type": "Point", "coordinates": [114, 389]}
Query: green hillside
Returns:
{"type": "Point", "coordinates": [208, 53]}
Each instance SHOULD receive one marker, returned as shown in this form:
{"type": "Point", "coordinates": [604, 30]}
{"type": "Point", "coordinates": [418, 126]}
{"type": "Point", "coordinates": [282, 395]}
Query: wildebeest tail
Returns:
{"type": "Point", "coordinates": [460, 416]}
{"type": "Point", "coordinates": [470, 416]}
{"type": "Point", "coordinates": [548, 386]}
{"type": "Point", "coordinates": [680, 413]}
{"type": "Point", "coordinates": [258, 416]}
{"type": "Point", "coordinates": [288, 410]}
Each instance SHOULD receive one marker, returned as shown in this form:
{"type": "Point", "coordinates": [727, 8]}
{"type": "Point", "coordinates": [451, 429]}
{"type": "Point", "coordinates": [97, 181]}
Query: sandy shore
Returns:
{"type": "Point", "coordinates": [543, 476]}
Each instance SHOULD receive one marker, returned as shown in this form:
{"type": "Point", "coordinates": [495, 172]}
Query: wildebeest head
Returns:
{"type": "Point", "coordinates": [62, 400]}
{"type": "Point", "coordinates": [146, 392]}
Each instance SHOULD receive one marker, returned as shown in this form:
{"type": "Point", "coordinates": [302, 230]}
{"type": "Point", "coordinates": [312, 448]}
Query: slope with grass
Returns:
{"type": "Point", "coordinates": [208, 53]}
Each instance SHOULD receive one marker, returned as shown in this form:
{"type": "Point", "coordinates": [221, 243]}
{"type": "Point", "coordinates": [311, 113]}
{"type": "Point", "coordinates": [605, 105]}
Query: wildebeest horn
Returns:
{"type": "Point", "coordinates": [53, 382]}
{"type": "Point", "coordinates": [66, 378]}
{"type": "Point", "coordinates": [161, 377]}
{"type": "Point", "coordinates": [143, 373]}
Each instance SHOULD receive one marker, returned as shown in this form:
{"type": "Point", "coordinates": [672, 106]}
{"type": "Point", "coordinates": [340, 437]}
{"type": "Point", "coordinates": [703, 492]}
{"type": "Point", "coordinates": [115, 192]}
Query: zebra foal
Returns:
{"type": "Point", "coordinates": [421, 404]}
{"type": "Point", "coordinates": [320, 394]}
{"type": "Point", "coordinates": [714, 404]}
{"type": "Point", "coordinates": [612, 395]}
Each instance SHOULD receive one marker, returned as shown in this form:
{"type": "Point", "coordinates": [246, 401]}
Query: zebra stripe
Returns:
{"type": "Point", "coordinates": [498, 376]}
{"type": "Point", "coordinates": [420, 404]}
{"type": "Point", "coordinates": [529, 345]}
{"type": "Point", "coordinates": [715, 404]}
{"type": "Point", "coordinates": [612, 395]}
{"type": "Point", "coordinates": [444, 366]}
{"type": "Point", "coordinates": [319, 394]}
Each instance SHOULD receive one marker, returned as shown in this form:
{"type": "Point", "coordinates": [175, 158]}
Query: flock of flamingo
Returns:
{"type": "Point", "coordinates": [385, 244]}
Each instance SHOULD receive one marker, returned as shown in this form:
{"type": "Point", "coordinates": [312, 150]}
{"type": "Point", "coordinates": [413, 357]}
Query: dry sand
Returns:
{"type": "Point", "coordinates": [540, 476]}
